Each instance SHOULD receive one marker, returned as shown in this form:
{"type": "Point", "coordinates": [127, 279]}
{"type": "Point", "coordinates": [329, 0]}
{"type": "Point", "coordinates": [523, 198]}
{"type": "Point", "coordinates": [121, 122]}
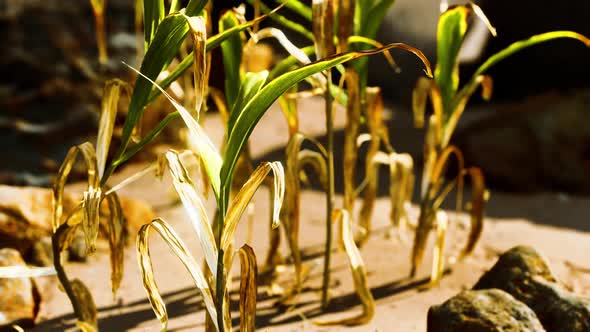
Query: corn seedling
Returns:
{"type": "Point", "coordinates": [448, 103]}
{"type": "Point", "coordinates": [87, 214]}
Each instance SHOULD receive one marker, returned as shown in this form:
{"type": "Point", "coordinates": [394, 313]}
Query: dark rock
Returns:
{"type": "Point", "coordinates": [524, 274]}
{"type": "Point", "coordinates": [42, 253]}
{"type": "Point", "coordinates": [490, 310]}
{"type": "Point", "coordinates": [18, 297]}
{"type": "Point", "coordinates": [544, 135]}
{"type": "Point", "coordinates": [77, 249]}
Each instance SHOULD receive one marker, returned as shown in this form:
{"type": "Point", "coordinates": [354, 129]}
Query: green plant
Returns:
{"type": "Point", "coordinates": [448, 103]}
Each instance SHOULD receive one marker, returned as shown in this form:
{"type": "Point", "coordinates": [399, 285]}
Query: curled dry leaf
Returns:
{"type": "Point", "coordinates": [181, 251]}
{"type": "Point", "coordinates": [476, 210]}
{"type": "Point", "coordinates": [205, 148]}
{"type": "Point", "coordinates": [89, 157]}
{"type": "Point", "coordinates": [248, 289]}
{"type": "Point", "coordinates": [198, 31]}
{"type": "Point", "coordinates": [244, 196]}
{"type": "Point", "coordinates": [106, 124]}
{"type": "Point", "coordinates": [117, 239]}
{"type": "Point", "coordinates": [359, 274]}
{"type": "Point", "coordinates": [438, 262]}
{"type": "Point", "coordinates": [86, 312]}
{"type": "Point", "coordinates": [195, 209]}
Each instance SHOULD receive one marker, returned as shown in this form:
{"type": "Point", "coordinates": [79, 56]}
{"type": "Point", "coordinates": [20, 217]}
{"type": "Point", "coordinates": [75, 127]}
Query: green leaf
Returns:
{"type": "Point", "coordinates": [153, 14]}
{"type": "Point", "coordinates": [194, 7]}
{"type": "Point", "coordinates": [231, 50]}
{"type": "Point", "coordinates": [285, 22]}
{"type": "Point", "coordinates": [368, 16]}
{"type": "Point", "coordinates": [289, 62]}
{"type": "Point", "coordinates": [297, 7]}
{"type": "Point", "coordinates": [248, 117]}
{"type": "Point", "coordinates": [252, 83]}
{"type": "Point", "coordinates": [525, 43]}
{"type": "Point", "coordinates": [171, 33]}
{"type": "Point", "coordinates": [452, 26]}
{"type": "Point", "coordinates": [148, 138]}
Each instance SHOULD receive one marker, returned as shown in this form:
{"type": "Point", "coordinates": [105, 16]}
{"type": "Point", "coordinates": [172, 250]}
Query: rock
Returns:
{"type": "Point", "coordinates": [551, 153]}
{"type": "Point", "coordinates": [77, 249]}
{"type": "Point", "coordinates": [42, 253]}
{"type": "Point", "coordinates": [489, 310]}
{"type": "Point", "coordinates": [18, 296]}
{"type": "Point", "coordinates": [25, 216]}
{"type": "Point", "coordinates": [524, 274]}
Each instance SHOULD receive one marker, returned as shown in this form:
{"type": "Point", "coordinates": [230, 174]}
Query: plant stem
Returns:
{"type": "Point", "coordinates": [220, 278]}
{"type": "Point", "coordinates": [330, 189]}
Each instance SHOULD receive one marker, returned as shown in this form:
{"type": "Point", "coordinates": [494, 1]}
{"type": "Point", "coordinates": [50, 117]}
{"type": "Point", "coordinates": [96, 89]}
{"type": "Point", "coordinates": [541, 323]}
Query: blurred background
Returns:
{"type": "Point", "coordinates": [532, 136]}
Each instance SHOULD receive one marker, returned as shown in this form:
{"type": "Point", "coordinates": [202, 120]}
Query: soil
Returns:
{"type": "Point", "coordinates": [556, 224]}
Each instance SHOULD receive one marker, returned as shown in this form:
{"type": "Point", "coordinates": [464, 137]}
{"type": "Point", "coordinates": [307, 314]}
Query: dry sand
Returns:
{"type": "Point", "coordinates": [556, 224]}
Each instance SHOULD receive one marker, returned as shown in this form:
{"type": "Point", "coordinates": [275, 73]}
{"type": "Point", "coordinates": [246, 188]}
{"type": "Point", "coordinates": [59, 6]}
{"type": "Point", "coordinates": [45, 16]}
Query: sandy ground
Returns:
{"type": "Point", "coordinates": [556, 224]}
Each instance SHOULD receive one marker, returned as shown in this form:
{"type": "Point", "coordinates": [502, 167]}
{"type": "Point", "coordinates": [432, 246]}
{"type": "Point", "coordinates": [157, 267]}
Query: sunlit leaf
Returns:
{"type": "Point", "coordinates": [116, 236]}
{"type": "Point", "coordinates": [90, 223]}
{"type": "Point", "coordinates": [359, 274]}
{"type": "Point", "coordinates": [248, 289]}
{"type": "Point", "coordinates": [438, 260]}
{"type": "Point", "coordinates": [242, 199]}
{"type": "Point", "coordinates": [250, 86]}
{"type": "Point", "coordinates": [283, 21]}
{"type": "Point", "coordinates": [452, 26]}
{"type": "Point", "coordinates": [89, 156]}
{"type": "Point", "coordinates": [194, 208]}
{"type": "Point", "coordinates": [106, 124]}
{"type": "Point", "coordinates": [206, 150]}
{"type": "Point", "coordinates": [231, 50]}
{"type": "Point", "coordinates": [297, 7]}
{"type": "Point", "coordinates": [198, 32]}
{"type": "Point", "coordinates": [181, 251]}
{"type": "Point", "coordinates": [87, 313]}
{"type": "Point", "coordinates": [153, 14]}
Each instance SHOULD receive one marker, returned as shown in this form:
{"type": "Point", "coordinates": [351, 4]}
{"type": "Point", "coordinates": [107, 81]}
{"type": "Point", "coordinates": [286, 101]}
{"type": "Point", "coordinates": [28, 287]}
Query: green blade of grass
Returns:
{"type": "Point", "coordinates": [153, 14]}
{"type": "Point", "coordinates": [231, 51]}
{"type": "Point", "coordinates": [285, 22]}
{"type": "Point", "coordinates": [452, 26]}
{"type": "Point", "coordinates": [297, 7]}
{"type": "Point", "coordinates": [252, 83]}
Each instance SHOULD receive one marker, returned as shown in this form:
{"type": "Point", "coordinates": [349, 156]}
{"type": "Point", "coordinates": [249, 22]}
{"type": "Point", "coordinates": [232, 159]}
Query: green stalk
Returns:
{"type": "Point", "coordinates": [330, 189]}
{"type": "Point", "coordinates": [220, 278]}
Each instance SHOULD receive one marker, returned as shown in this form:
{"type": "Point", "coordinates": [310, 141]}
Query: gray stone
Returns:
{"type": "Point", "coordinates": [18, 296]}
{"type": "Point", "coordinates": [489, 310]}
{"type": "Point", "coordinates": [524, 274]}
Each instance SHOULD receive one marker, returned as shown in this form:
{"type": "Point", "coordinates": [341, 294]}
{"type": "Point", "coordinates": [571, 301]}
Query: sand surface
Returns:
{"type": "Point", "coordinates": [556, 224]}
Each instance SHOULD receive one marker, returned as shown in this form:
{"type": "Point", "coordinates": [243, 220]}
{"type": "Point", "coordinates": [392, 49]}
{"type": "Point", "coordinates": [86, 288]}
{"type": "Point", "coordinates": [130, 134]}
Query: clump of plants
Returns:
{"type": "Point", "coordinates": [448, 101]}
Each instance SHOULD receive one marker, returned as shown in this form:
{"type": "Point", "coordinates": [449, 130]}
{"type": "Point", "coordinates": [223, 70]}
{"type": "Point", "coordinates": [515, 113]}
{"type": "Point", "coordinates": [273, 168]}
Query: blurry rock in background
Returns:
{"type": "Point", "coordinates": [542, 142]}
{"type": "Point", "coordinates": [51, 82]}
